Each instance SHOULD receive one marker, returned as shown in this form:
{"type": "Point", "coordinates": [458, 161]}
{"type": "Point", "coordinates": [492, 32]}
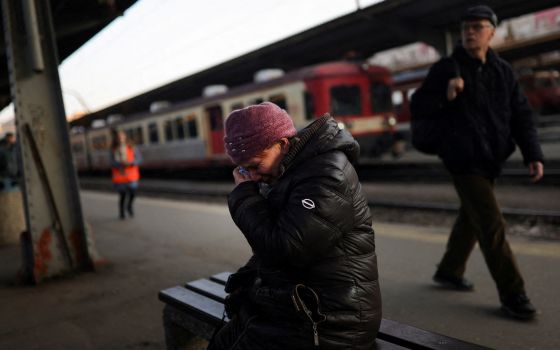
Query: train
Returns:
{"type": "Point", "coordinates": [543, 90]}
{"type": "Point", "coordinates": [190, 133]}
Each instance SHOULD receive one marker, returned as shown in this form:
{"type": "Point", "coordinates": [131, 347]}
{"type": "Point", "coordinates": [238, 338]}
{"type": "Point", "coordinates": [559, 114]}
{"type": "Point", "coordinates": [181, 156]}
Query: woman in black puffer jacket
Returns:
{"type": "Point", "coordinates": [312, 281]}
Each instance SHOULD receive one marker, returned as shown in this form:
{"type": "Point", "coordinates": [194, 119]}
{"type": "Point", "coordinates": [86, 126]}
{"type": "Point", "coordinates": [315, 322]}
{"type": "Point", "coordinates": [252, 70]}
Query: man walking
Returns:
{"type": "Point", "coordinates": [482, 113]}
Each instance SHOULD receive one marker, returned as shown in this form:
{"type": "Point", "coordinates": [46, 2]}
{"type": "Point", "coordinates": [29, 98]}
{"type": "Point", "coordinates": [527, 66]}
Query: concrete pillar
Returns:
{"type": "Point", "coordinates": [12, 217]}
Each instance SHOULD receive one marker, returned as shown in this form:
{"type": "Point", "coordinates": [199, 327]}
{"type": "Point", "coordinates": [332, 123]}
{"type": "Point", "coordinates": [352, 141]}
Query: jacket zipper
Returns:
{"type": "Point", "coordinates": [300, 306]}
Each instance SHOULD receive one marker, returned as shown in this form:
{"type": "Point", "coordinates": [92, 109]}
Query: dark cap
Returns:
{"type": "Point", "coordinates": [481, 12]}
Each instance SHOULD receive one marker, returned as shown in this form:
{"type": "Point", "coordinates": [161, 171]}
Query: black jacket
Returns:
{"type": "Point", "coordinates": [314, 228]}
{"type": "Point", "coordinates": [482, 125]}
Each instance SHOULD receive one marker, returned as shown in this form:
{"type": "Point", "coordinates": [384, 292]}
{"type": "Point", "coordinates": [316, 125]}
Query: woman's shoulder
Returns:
{"type": "Point", "coordinates": [326, 165]}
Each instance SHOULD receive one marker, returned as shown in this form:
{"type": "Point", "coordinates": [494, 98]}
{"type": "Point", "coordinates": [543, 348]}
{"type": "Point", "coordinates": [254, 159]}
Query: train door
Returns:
{"type": "Point", "coordinates": [216, 121]}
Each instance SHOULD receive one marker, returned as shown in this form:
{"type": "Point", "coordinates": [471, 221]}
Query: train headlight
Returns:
{"type": "Point", "coordinates": [341, 126]}
{"type": "Point", "coordinates": [392, 121]}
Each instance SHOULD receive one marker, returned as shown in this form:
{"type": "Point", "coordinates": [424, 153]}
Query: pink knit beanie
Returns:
{"type": "Point", "coordinates": [252, 129]}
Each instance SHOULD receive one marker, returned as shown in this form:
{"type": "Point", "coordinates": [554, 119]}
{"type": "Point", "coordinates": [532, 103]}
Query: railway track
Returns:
{"type": "Point", "coordinates": [371, 170]}
{"type": "Point", "coordinates": [218, 191]}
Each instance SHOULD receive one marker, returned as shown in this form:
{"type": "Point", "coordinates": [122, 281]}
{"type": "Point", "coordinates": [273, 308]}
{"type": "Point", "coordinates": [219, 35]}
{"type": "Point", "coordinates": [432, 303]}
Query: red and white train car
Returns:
{"type": "Point", "coordinates": [191, 133]}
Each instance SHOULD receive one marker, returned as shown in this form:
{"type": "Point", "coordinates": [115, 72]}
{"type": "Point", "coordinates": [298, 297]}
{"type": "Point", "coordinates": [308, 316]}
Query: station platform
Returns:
{"type": "Point", "coordinates": [390, 200]}
{"type": "Point", "coordinates": [170, 242]}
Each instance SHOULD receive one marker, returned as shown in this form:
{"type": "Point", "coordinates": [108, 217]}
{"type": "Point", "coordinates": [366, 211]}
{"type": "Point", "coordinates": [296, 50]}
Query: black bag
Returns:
{"type": "Point", "coordinates": [237, 287]}
{"type": "Point", "coordinates": [427, 132]}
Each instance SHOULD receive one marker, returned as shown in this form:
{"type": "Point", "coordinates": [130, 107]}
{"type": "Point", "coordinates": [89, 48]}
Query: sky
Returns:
{"type": "Point", "coordinates": [159, 41]}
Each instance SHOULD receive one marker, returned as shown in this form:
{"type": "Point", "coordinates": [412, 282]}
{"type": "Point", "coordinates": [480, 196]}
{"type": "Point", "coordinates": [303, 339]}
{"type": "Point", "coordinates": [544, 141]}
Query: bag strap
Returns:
{"type": "Point", "coordinates": [456, 67]}
{"type": "Point", "coordinates": [472, 119]}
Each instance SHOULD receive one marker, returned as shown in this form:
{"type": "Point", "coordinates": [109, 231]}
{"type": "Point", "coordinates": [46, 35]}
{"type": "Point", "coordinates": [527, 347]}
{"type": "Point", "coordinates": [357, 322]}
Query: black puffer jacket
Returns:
{"type": "Point", "coordinates": [314, 228]}
{"type": "Point", "coordinates": [482, 125]}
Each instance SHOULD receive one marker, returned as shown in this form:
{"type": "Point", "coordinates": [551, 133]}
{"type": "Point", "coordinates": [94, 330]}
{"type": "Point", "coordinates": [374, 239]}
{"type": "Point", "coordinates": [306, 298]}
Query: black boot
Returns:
{"type": "Point", "coordinates": [518, 306]}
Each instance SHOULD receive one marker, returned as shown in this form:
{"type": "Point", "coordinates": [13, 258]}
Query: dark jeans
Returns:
{"type": "Point", "coordinates": [126, 198]}
{"type": "Point", "coordinates": [480, 219]}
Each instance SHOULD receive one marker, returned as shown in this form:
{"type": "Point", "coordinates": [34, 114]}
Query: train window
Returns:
{"type": "Point", "coordinates": [168, 130]}
{"type": "Point", "coordinates": [258, 100]}
{"type": "Point", "coordinates": [130, 134]}
{"type": "Point", "coordinates": [77, 148]}
{"type": "Point", "coordinates": [139, 136]}
{"type": "Point", "coordinates": [279, 100]}
{"type": "Point", "coordinates": [179, 130]}
{"type": "Point", "coordinates": [153, 133]}
{"type": "Point", "coordinates": [99, 142]}
{"type": "Point", "coordinates": [216, 118]}
{"type": "Point", "coordinates": [397, 98]}
{"type": "Point", "coordinates": [309, 106]}
{"type": "Point", "coordinates": [192, 129]}
{"type": "Point", "coordinates": [235, 106]}
{"type": "Point", "coordinates": [380, 95]}
{"type": "Point", "coordinates": [345, 100]}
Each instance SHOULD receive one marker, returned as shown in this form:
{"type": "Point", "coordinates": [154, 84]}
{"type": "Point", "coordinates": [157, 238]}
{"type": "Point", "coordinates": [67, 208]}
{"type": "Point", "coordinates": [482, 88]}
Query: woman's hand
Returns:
{"type": "Point", "coordinates": [241, 175]}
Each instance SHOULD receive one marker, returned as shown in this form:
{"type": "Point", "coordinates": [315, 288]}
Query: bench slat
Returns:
{"type": "Point", "coordinates": [220, 277]}
{"type": "Point", "coordinates": [208, 288]}
{"type": "Point", "coordinates": [416, 338]}
{"type": "Point", "coordinates": [206, 309]}
{"type": "Point", "coordinates": [381, 344]}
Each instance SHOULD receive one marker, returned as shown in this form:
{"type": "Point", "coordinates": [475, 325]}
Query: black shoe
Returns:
{"type": "Point", "coordinates": [518, 306]}
{"type": "Point", "coordinates": [451, 282]}
{"type": "Point", "coordinates": [121, 215]}
{"type": "Point", "coordinates": [130, 212]}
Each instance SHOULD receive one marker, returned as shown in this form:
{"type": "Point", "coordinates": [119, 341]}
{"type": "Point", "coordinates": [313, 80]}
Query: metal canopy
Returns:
{"type": "Point", "coordinates": [386, 25]}
{"type": "Point", "coordinates": [75, 22]}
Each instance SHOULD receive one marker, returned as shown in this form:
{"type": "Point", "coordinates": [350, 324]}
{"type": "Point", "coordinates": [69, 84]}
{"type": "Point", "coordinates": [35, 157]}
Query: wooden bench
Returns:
{"type": "Point", "coordinates": [197, 308]}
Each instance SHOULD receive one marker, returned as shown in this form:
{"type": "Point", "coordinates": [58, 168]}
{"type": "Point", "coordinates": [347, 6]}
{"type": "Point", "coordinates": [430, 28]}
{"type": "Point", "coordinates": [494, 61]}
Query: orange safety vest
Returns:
{"type": "Point", "coordinates": [130, 173]}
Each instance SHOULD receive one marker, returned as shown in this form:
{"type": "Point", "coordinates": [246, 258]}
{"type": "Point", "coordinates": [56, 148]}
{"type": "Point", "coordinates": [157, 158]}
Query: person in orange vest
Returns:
{"type": "Point", "coordinates": [125, 159]}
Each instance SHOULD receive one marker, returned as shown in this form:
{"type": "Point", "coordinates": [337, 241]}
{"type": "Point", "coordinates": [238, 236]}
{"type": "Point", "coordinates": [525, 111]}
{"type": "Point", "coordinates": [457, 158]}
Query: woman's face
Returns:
{"type": "Point", "coordinates": [121, 137]}
{"type": "Point", "coordinates": [265, 167]}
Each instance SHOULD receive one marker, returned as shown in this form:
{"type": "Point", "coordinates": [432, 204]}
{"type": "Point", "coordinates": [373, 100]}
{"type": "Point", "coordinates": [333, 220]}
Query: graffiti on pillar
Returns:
{"type": "Point", "coordinates": [42, 254]}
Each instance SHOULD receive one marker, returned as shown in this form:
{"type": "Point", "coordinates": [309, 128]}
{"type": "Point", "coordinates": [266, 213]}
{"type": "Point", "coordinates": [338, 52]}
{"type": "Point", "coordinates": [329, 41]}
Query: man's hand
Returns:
{"type": "Point", "coordinates": [536, 171]}
{"type": "Point", "coordinates": [239, 176]}
{"type": "Point", "coordinates": [454, 87]}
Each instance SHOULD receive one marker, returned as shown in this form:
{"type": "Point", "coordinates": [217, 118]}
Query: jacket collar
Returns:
{"type": "Point", "coordinates": [461, 55]}
{"type": "Point", "coordinates": [298, 142]}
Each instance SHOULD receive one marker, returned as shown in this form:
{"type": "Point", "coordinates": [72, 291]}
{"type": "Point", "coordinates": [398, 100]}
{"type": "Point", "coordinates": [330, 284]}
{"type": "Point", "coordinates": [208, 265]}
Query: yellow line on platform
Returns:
{"type": "Point", "coordinates": [431, 235]}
